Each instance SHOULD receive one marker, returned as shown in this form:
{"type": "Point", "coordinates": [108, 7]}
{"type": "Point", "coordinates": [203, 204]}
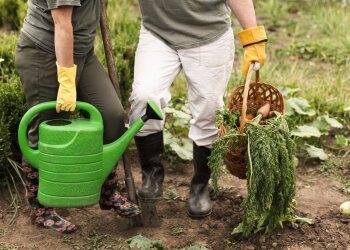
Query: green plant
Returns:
{"type": "Point", "coordinates": [270, 157]}
{"type": "Point", "coordinates": [143, 243]}
{"type": "Point", "coordinates": [275, 10]}
{"type": "Point", "coordinates": [176, 130]}
{"type": "Point", "coordinates": [12, 107]}
{"type": "Point", "coordinates": [5, 144]}
{"type": "Point", "coordinates": [170, 193]}
{"type": "Point", "coordinates": [195, 247]}
{"type": "Point", "coordinates": [7, 56]}
{"type": "Point", "coordinates": [310, 135]}
{"type": "Point", "coordinates": [177, 230]}
{"type": "Point", "coordinates": [12, 13]}
{"type": "Point", "coordinates": [95, 241]}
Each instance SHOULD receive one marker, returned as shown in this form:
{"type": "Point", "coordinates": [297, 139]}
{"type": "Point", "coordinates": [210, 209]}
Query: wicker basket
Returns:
{"type": "Point", "coordinates": [249, 98]}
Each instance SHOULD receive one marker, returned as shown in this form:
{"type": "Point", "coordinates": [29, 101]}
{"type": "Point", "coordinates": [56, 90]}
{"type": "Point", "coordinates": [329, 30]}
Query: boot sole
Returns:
{"type": "Point", "coordinates": [150, 199]}
{"type": "Point", "coordinates": [147, 199]}
{"type": "Point", "coordinates": [196, 216]}
{"type": "Point", "coordinates": [32, 220]}
{"type": "Point", "coordinates": [105, 207]}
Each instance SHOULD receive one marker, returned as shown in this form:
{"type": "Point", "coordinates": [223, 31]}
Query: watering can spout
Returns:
{"type": "Point", "coordinates": [113, 151]}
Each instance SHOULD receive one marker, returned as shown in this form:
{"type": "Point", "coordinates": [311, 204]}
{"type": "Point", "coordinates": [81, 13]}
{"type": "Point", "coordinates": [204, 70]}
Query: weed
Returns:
{"type": "Point", "coordinates": [143, 243]}
{"type": "Point", "coordinates": [177, 230]}
{"type": "Point", "coordinates": [195, 247]}
{"type": "Point", "coordinates": [95, 241]}
{"type": "Point", "coordinates": [339, 167]}
{"type": "Point", "coordinates": [170, 193]}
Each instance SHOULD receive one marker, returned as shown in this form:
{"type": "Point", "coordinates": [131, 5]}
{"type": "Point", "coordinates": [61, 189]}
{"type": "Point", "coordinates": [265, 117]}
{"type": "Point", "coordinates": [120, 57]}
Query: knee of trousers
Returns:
{"type": "Point", "coordinates": [203, 137]}
{"type": "Point", "coordinates": [203, 129]}
{"type": "Point", "coordinates": [138, 102]}
{"type": "Point", "coordinates": [114, 125]}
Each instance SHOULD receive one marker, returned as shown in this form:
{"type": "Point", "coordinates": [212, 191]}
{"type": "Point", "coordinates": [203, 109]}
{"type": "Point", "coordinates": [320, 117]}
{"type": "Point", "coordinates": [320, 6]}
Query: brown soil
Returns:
{"type": "Point", "coordinates": [318, 198]}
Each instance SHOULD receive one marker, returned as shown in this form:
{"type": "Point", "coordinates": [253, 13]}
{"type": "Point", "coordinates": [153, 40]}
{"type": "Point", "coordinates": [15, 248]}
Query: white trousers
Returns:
{"type": "Point", "coordinates": [207, 70]}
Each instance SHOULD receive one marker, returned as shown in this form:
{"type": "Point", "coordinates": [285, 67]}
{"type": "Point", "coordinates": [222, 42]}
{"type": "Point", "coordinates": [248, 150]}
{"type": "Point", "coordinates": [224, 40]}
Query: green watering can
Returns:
{"type": "Point", "coordinates": [72, 161]}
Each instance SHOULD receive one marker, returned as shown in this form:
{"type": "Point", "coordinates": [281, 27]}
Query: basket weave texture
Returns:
{"type": "Point", "coordinates": [257, 94]}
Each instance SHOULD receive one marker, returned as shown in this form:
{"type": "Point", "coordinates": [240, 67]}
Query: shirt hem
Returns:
{"type": "Point", "coordinates": [52, 50]}
{"type": "Point", "coordinates": [202, 42]}
{"type": "Point", "coordinates": [57, 4]}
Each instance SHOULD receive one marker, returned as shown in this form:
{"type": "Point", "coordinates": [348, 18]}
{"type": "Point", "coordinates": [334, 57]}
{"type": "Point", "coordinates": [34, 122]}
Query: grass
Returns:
{"type": "Point", "coordinates": [177, 230]}
{"type": "Point", "coordinates": [96, 241]}
{"type": "Point", "coordinates": [312, 52]}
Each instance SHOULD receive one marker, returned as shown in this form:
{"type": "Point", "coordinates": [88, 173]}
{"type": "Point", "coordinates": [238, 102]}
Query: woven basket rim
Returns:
{"type": "Point", "coordinates": [237, 168]}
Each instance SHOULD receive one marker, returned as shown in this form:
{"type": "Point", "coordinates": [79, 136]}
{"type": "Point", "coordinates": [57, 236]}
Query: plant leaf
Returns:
{"type": "Point", "coordinates": [181, 122]}
{"type": "Point", "coordinates": [140, 242]}
{"type": "Point", "coordinates": [332, 122]}
{"type": "Point", "coordinates": [143, 243]}
{"type": "Point", "coordinates": [168, 137]}
{"type": "Point", "coordinates": [342, 140]}
{"type": "Point", "coordinates": [238, 229]}
{"type": "Point", "coordinates": [303, 220]}
{"type": "Point", "coordinates": [300, 106]}
{"type": "Point", "coordinates": [195, 247]}
{"type": "Point", "coordinates": [182, 148]}
{"type": "Point", "coordinates": [306, 131]}
{"type": "Point", "coordinates": [286, 91]}
{"type": "Point", "coordinates": [178, 113]}
{"type": "Point", "coordinates": [325, 123]}
{"type": "Point", "coordinates": [157, 244]}
{"type": "Point", "coordinates": [315, 152]}
{"type": "Point", "coordinates": [322, 125]}
{"type": "Point", "coordinates": [289, 110]}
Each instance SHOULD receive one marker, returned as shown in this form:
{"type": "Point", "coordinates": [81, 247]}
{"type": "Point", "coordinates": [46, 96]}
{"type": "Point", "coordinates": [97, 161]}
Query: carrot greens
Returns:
{"type": "Point", "coordinates": [270, 170]}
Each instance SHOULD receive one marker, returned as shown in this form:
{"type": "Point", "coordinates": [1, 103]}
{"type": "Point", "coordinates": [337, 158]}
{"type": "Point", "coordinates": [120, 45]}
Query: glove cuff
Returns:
{"type": "Point", "coordinates": [66, 74]}
{"type": "Point", "coordinates": [252, 36]}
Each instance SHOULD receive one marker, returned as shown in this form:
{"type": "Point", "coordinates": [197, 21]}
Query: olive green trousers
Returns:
{"type": "Point", "coordinates": [38, 73]}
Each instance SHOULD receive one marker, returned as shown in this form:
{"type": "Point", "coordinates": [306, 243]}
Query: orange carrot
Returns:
{"type": "Point", "coordinates": [264, 110]}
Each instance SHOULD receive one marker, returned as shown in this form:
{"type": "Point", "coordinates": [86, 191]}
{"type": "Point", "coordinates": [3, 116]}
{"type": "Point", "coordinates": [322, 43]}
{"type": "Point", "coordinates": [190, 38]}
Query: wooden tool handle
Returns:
{"type": "Point", "coordinates": [107, 43]}
{"type": "Point", "coordinates": [245, 97]}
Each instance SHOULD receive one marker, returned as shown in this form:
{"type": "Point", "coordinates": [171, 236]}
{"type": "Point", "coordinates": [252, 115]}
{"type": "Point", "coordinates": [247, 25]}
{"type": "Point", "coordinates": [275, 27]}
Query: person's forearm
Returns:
{"type": "Point", "coordinates": [63, 36]}
{"type": "Point", "coordinates": [244, 12]}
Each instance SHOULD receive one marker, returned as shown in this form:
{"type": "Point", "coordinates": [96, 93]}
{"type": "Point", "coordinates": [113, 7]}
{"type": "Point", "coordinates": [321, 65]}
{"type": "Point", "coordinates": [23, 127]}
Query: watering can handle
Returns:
{"type": "Point", "coordinates": [30, 154]}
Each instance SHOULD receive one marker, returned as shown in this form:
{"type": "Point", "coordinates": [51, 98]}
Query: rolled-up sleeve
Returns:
{"type": "Point", "coordinates": [54, 4]}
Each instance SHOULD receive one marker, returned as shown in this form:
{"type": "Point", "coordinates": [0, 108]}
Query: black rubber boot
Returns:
{"type": "Point", "coordinates": [199, 204]}
{"type": "Point", "coordinates": [150, 150]}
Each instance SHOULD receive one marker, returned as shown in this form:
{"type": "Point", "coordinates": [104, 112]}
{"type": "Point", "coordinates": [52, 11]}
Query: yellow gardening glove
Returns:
{"type": "Point", "coordinates": [253, 41]}
{"type": "Point", "coordinates": [67, 94]}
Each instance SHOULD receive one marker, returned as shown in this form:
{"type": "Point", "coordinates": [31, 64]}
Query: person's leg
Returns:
{"type": "Point", "coordinates": [37, 70]}
{"type": "Point", "coordinates": [156, 67]}
{"type": "Point", "coordinates": [207, 69]}
{"type": "Point", "coordinates": [42, 216]}
{"type": "Point", "coordinates": [95, 87]}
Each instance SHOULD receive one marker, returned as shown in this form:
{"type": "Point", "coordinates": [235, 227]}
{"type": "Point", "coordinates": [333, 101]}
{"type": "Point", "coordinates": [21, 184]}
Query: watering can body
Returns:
{"type": "Point", "coordinates": [72, 161]}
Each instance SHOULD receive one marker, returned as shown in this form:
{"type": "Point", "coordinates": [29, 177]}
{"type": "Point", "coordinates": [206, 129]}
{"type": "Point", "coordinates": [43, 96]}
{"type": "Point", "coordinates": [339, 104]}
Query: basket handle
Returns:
{"type": "Point", "coordinates": [253, 67]}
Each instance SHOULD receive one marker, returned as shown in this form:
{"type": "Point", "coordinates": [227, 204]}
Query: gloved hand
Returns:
{"type": "Point", "coordinates": [253, 41]}
{"type": "Point", "coordinates": [67, 94]}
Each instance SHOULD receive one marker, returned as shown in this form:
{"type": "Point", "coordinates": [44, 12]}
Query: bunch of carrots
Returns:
{"type": "Point", "coordinates": [270, 165]}
{"type": "Point", "coordinates": [263, 113]}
